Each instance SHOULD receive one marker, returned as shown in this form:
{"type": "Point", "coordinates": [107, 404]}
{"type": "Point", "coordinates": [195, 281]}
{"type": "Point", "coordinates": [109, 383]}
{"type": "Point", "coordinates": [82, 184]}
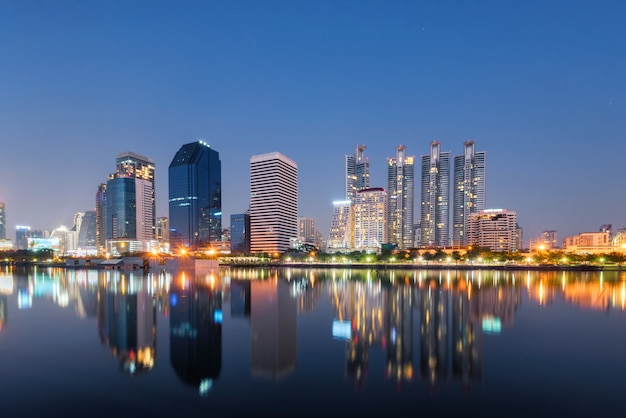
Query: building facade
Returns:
{"type": "Point", "coordinates": [240, 233]}
{"type": "Point", "coordinates": [341, 235]}
{"type": "Point", "coordinates": [140, 168]}
{"type": "Point", "coordinates": [435, 197]}
{"type": "Point", "coordinates": [549, 239]}
{"type": "Point", "coordinates": [589, 242]}
{"type": "Point", "coordinates": [101, 204]}
{"type": "Point", "coordinates": [400, 198]}
{"type": "Point", "coordinates": [125, 206]}
{"type": "Point", "coordinates": [3, 222]}
{"type": "Point", "coordinates": [357, 172]}
{"type": "Point", "coordinates": [273, 202]}
{"type": "Point", "coordinates": [469, 190]}
{"type": "Point", "coordinates": [370, 223]}
{"type": "Point", "coordinates": [87, 234]}
{"type": "Point", "coordinates": [495, 229]}
{"type": "Point", "coordinates": [195, 197]}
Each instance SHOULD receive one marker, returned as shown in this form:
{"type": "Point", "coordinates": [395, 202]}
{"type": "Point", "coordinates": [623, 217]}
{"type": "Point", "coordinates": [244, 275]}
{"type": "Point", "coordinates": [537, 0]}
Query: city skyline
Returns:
{"type": "Point", "coordinates": [539, 87]}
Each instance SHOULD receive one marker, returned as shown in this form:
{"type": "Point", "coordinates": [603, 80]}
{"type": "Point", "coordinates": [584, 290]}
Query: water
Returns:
{"type": "Point", "coordinates": [271, 342]}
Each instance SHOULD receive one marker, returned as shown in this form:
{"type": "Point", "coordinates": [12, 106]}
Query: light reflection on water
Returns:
{"type": "Point", "coordinates": [444, 336]}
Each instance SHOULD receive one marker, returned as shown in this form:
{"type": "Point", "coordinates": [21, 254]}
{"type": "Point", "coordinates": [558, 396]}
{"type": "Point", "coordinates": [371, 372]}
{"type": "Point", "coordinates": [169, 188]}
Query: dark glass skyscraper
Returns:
{"type": "Point", "coordinates": [195, 196]}
{"type": "Point", "coordinates": [240, 233]}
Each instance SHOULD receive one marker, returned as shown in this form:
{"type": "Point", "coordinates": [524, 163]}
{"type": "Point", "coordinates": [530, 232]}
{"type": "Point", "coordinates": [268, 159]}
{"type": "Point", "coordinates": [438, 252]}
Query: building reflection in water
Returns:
{"type": "Point", "coordinates": [127, 320]}
{"type": "Point", "coordinates": [3, 311]}
{"type": "Point", "coordinates": [240, 298]}
{"type": "Point", "coordinates": [399, 330]}
{"type": "Point", "coordinates": [434, 332]}
{"type": "Point", "coordinates": [273, 313]}
{"type": "Point", "coordinates": [196, 329]}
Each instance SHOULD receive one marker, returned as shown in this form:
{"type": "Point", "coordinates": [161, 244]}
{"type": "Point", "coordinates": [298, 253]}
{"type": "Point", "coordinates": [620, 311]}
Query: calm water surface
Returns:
{"type": "Point", "coordinates": [292, 342]}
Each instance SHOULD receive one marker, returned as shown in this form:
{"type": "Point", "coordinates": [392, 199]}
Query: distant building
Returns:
{"type": "Point", "coordinates": [273, 202]}
{"type": "Point", "coordinates": [469, 194]}
{"type": "Point", "coordinates": [495, 229]}
{"type": "Point", "coordinates": [589, 242]}
{"type": "Point", "coordinates": [370, 223]}
{"type": "Point", "coordinates": [341, 236]}
{"type": "Point", "coordinates": [308, 233]}
{"type": "Point", "coordinates": [195, 196]}
{"type": "Point", "coordinates": [240, 233]}
{"type": "Point", "coordinates": [87, 234]}
{"type": "Point", "coordinates": [435, 197]}
{"type": "Point", "coordinates": [3, 223]}
{"type": "Point", "coordinates": [101, 204]}
{"type": "Point", "coordinates": [163, 229]}
{"type": "Point", "coordinates": [549, 239]}
{"type": "Point", "coordinates": [400, 201]}
{"type": "Point", "coordinates": [22, 233]}
{"type": "Point", "coordinates": [357, 172]}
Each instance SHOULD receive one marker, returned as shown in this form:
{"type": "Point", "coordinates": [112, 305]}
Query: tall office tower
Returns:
{"type": "Point", "coordinates": [195, 196]}
{"type": "Point", "coordinates": [341, 237]}
{"type": "Point", "coordinates": [129, 200]}
{"type": "Point", "coordinates": [240, 233]}
{"type": "Point", "coordinates": [357, 172]}
{"type": "Point", "coordinates": [400, 192]}
{"type": "Point", "coordinates": [273, 202]}
{"type": "Point", "coordinates": [469, 190]}
{"type": "Point", "coordinates": [495, 229]}
{"type": "Point", "coordinates": [131, 165]}
{"type": "Point", "coordinates": [370, 223]}
{"type": "Point", "coordinates": [3, 227]}
{"type": "Point", "coordinates": [87, 233]}
{"type": "Point", "coordinates": [435, 197]}
{"type": "Point", "coordinates": [101, 204]}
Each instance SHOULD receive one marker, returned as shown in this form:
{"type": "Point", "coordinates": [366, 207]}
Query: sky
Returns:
{"type": "Point", "coordinates": [539, 85]}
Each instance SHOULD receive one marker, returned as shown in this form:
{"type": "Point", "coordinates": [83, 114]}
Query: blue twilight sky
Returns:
{"type": "Point", "coordinates": [539, 85]}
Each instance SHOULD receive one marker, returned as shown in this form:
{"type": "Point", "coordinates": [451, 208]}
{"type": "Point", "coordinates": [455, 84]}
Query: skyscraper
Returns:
{"type": "Point", "coordinates": [273, 202]}
{"type": "Point", "coordinates": [87, 233]}
{"type": "Point", "coordinates": [195, 196]}
{"type": "Point", "coordinates": [341, 237]}
{"type": "Point", "coordinates": [101, 203]}
{"type": "Point", "coordinates": [240, 233]}
{"type": "Point", "coordinates": [357, 172]}
{"type": "Point", "coordinates": [129, 164]}
{"type": "Point", "coordinates": [3, 227]}
{"type": "Point", "coordinates": [400, 191]}
{"type": "Point", "coordinates": [370, 223]}
{"type": "Point", "coordinates": [469, 190]}
{"type": "Point", "coordinates": [435, 197]}
{"type": "Point", "coordinates": [128, 198]}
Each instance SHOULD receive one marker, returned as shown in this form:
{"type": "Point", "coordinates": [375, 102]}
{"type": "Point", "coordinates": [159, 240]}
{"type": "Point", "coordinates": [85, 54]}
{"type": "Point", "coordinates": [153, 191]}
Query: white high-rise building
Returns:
{"type": "Point", "coordinates": [400, 191]}
{"type": "Point", "coordinates": [435, 197]}
{"type": "Point", "coordinates": [340, 238]}
{"type": "Point", "coordinates": [469, 190]}
{"type": "Point", "coordinates": [273, 202]}
{"type": "Point", "coordinates": [357, 172]}
{"type": "Point", "coordinates": [495, 229]}
{"type": "Point", "coordinates": [370, 223]}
